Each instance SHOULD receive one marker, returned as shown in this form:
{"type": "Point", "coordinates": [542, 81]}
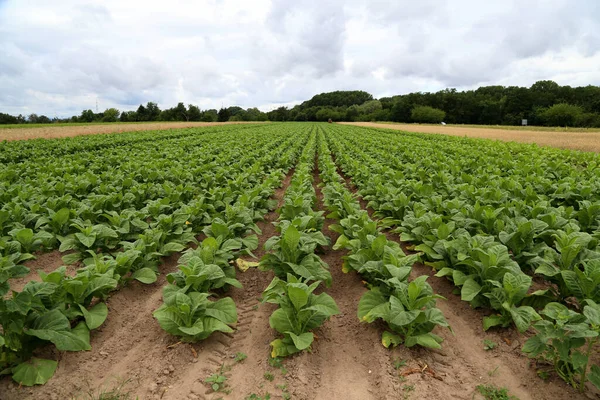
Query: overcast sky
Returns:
{"type": "Point", "coordinates": [58, 57]}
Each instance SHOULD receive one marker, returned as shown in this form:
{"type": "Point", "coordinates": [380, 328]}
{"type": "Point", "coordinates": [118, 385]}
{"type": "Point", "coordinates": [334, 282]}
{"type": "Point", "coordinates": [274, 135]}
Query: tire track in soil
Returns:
{"type": "Point", "coordinates": [462, 363]}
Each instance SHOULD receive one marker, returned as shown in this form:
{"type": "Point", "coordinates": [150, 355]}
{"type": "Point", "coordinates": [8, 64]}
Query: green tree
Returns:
{"type": "Point", "coordinates": [152, 111]}
{"type": "Point", "coordinates": [562, 114]}
{"type": "Point", "coordinates": [87, 116]}
{"type": "Point", "coordinates": [223, 115]}
{"type": "Point", "coordinates": [427, 114]}
{"type": "Point", "coordinates": [370, 107]}
{"type": "Point", "coordinates": [194, 113]}
{"type": "Point", "coordinates": [401, 110]}
{"type": "Point", "coordinates": [181, 113]}
{"type": "Point", "coordinates": [210, 116]}
{"type": "Point", "coordinates": [111, 115]}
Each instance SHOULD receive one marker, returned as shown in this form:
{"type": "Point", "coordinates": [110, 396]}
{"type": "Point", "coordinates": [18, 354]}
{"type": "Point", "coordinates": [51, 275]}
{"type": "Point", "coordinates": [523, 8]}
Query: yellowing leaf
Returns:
{"type": "Point", "coordinates": [244, 265]}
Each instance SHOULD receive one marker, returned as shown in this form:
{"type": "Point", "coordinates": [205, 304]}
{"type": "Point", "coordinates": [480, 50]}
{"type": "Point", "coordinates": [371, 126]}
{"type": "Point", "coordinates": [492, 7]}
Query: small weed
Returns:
{"type": "Point", "coordinates": [254, 396]}
{"type": "Point", "coordinates": [407, 389]}
{"type": "Point", "coordinates": [218, 381]}
{"type": "Point", "coordinates": [239, 357]}
{"type": "Point", "coordinates": [277, 362]}
{"type": "Point", "coordinates": [489, 344]}
{"type": "Point", "coordinates": [399, 363]}
{"type": "Point", "coordinates": [493, 372]}
{"type": "Point", "coordinates": [255, 307]}
{"type": "Point", "coordinates": [284, 394]}
{"type": "Point", "coordinates": [269, 376]}
{"type": "Point", "coordinates": [491, 392]}
{"type": "Point", "coordinates": [545, 375]}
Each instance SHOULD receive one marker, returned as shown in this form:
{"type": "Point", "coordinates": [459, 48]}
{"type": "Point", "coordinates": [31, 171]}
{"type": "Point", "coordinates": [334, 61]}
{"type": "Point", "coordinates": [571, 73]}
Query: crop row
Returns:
{"type": "Point", "coordinates": [298, 270]}
{"type": "Point", "coordinates": [493, 218]}
{"type": "Point", "coordinates": [407, 306]}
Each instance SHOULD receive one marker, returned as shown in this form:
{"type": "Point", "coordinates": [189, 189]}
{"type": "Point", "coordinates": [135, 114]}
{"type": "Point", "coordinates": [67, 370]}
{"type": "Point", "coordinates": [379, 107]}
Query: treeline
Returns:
{"type": "Point", "coordinates": [544, 103]}
{"type": "Point", "coordinates": [149, 112]}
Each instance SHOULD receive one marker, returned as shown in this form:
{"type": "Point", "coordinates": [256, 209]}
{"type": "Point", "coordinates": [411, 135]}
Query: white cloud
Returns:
{"type": "Point", "coordinates": [58, 57]}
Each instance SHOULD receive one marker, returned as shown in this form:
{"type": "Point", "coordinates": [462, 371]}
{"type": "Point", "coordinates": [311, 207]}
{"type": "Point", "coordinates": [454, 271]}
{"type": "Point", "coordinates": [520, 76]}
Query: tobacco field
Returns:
{"type": "Point", "coordinates": [297, 260]}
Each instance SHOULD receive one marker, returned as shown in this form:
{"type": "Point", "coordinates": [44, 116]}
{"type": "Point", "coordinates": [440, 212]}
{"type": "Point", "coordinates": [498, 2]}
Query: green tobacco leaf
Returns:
{"type": "Point", "coordinates": [171, 247]}
{"type": "Point", "coordinates": [86, 240]}
{"type": "Point", "coordinates": [491, 321]}
{"type": "Point", "coordinates": [523, 316]}
{"type": "Point", "coordinates": [426, 340]}
{"type": "Point", "coordinates": [36, 371]}
{"type": "Point", "coordinates": [280, 322]}
{"type": "Point", "coordinates": [55, 327]}
{"type": "Point", "coordinates": [298, 296]}
{"type": "Point", "coordinates": [224, 310]}
{"type": "Point", "coordinates": [302, 341]}
{"type": "Point", "coordinates": [145, 275]}
{"type": "Point", "coordinates": [470, 290]}
{"type": "Point", "coordinates": [95, 316]}
{"type": "Point", "coordinates": [368, 302]}
{"type": "Point", "coordinates": [594, 376]}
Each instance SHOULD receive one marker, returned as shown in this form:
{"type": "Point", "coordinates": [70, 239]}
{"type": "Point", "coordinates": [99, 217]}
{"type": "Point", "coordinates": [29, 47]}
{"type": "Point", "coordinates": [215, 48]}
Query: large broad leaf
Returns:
{"type": "Point", "coordinates": [145, 275]}
{"type": "Point", "coordinates": [171, 247]}
{"type": "Point", "coordinates": [213, 325]}
{"type": "Point", "coordinates": [492, 320]}
{"type": "Point", "coordinates": [301, 341]}
{"type": "Point", "coordinates": [95, 316]}
{"type": "Point", "coordinates": [168, 319]}
{"type": "Point", "coordinates": [224, 310]}
{"type": "Point", "coordinates": [403, 317]}
{"type": "Point", "coordinates": [469, 290]}
{"type": "Point", "coordinates": [426, 340]}
{"type": "Point", "coordinates": [280, 321]}
{"type": "Point", "coordinates": [298, 295]}
{"type": "Point", "coordinates": [369, 301]}
{"type": "Point", "coordinates": [36, 371]}
{"type": "Point", "coordinates": [523, 316]}
{"type": "Point", "coordinates": [86, 240]}
{"type": "Point", "coordinates": [55, 327]}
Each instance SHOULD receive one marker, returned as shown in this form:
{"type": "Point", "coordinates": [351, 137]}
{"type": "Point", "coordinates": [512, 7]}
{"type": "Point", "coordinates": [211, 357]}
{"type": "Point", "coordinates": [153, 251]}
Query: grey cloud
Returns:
{"type": "Point", "coordinates": [58, 58]}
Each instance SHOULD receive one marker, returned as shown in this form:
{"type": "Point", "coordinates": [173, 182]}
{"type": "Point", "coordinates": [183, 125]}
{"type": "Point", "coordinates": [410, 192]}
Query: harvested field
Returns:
{"type": "Point", "coordinates": [575, 140]}
{"type": "Point", "coordinates": [53, 132]}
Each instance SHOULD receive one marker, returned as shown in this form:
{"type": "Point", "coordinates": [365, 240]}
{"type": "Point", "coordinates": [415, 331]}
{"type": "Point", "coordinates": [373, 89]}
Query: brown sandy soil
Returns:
{"type": "Point", "coordinates": [46, 262]}
{"type": "Point", "coordinates": [53, 132]}
{"type": "Point", "coordinates": [584, 141]}
{"type": "Point", "coordinates": [462, 364]}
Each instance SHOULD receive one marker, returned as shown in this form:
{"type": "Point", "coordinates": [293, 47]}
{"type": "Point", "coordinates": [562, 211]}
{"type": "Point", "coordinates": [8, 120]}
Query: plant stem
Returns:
{"type": "Point", "coordinates": [584, 373]}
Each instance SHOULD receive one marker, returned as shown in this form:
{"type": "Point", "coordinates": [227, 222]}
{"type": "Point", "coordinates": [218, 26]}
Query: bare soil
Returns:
{"type": "Point", "coordinates": [575, 140]}
{"type": "Point", "coordinates": [53, 132]}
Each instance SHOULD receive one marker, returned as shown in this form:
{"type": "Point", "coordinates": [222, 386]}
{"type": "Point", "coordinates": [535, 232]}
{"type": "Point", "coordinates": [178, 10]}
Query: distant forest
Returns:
{"type": "Point", "coordinates": [544, 103]}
